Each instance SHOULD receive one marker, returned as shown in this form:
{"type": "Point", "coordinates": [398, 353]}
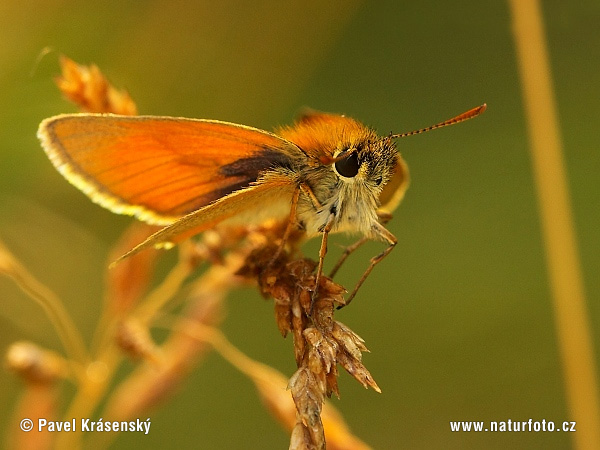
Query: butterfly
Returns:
{"type": "Point", "coordinates": [325, 174]}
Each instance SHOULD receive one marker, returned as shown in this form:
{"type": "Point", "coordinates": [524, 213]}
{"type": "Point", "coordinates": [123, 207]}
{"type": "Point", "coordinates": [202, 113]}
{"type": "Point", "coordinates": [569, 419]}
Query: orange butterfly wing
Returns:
{"type": "Point", "coordinates": [159, 168]}
{"type": "Point", "coordinates": [272, 195]}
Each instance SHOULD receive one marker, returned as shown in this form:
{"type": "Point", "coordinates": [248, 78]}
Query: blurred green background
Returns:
{"type": "Point", "coordinates": [458, 318]}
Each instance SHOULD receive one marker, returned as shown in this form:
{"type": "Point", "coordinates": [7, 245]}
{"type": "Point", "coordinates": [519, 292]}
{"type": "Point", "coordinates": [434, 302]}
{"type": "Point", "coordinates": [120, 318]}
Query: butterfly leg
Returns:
{"type": "Point", "coordinates": [383, 218]}
{"type": "Point", "coordinates": [388, 237]}
{"type": "Point", "coordinates": [347, 252]}
{"type": "Point", "coordinates": [323, 249]}
{"type": "Point", "coordinates": [322, 252]}
{"type": "Point", "coordinates": [290, 225]}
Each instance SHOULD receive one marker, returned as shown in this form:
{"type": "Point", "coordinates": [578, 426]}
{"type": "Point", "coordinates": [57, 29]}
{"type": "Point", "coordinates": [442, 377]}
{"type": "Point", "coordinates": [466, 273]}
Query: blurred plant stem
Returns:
{"type": "Point", "coordinates": [572, 323]}
{"type": "Point", "coordinates": [52, 306]}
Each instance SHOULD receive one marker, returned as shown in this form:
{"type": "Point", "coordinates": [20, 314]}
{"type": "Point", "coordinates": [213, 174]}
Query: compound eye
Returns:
{"type": "Point", "coordinates": [348, 167]}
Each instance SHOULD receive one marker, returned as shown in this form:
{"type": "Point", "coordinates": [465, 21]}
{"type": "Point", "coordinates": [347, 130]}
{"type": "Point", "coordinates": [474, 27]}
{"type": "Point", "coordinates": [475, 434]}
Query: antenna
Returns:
{"type": "Point", "coordinates": [460, 118]}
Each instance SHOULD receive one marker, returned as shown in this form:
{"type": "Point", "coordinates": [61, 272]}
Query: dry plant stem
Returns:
{"type": "Point", "coordinates": [320, 342]}
{"type": "Point", "coordinates": [93, 388]}
{"type": "Point", "coordinates": [152, 304]}
{"type": "Point", "coordinates": [89, 394]}
{"type": "Point", "coordinates": [149, 385]}
{"type": "Point", "coordinates": [272, 387]}
{"type": "Point", "coordinates": [226, 349]}
{"type": "Point", "coordinates": [165, 291]}
{"type": "Point", "coordinates": [53, 307]}
{"type": "Point", "coordinates": [126, 284]}
{"type": "Point", "coordinates": [572, 323]}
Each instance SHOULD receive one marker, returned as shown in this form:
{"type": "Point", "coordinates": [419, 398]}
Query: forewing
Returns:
{"type": "Point", "coordinates": [159, 168]}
